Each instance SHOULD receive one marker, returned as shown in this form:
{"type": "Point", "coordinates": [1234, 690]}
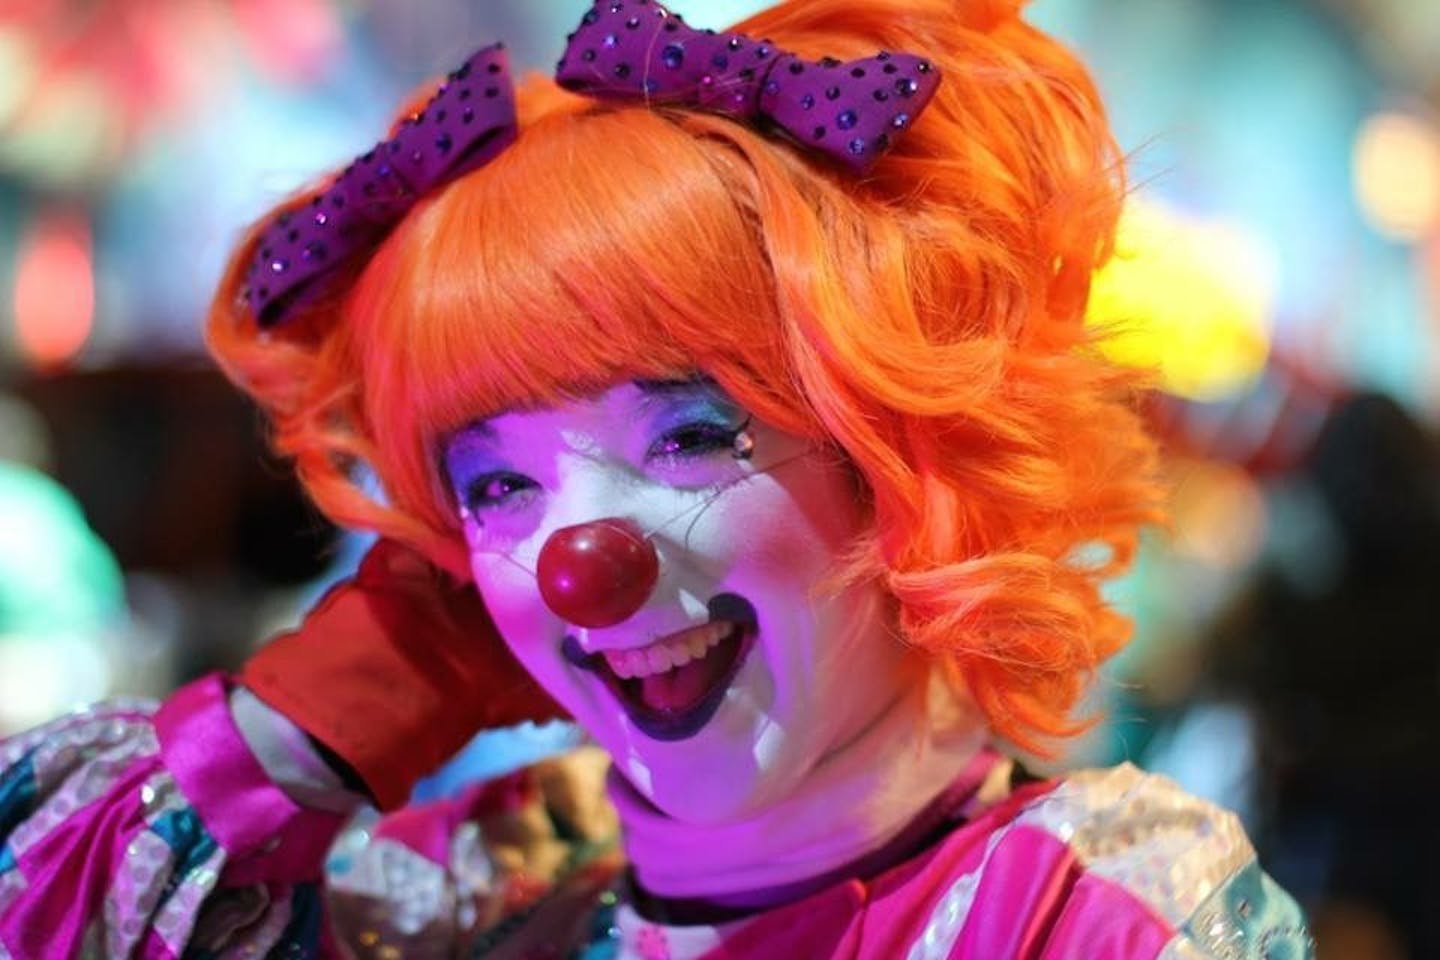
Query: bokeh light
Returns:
{"type": "Point", "coordinates": [61, 601]}
{"type": "Point", "coordinates": [1190, 299]}
{"type": "Point", "coordinates": [1397, 175]}
{"type": "Point", "coordinates": [17, 69]}
{"type": "Point", "coordinates": [55, 289]}
{"type": "Point", "coordinates": [1217, 513]}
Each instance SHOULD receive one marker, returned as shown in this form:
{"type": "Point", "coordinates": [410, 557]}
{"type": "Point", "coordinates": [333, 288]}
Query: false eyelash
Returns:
{"type": "Point", "coordinates": [714, 437]}
{"type": "Point", "coordinates": [476, 499]}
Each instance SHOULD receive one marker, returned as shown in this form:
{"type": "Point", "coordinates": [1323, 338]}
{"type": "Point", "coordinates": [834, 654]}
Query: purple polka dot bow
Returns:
{"type": "Point", "coordinates": [850, 111]}
{"type": "Point", "coordinates": [464, 126]}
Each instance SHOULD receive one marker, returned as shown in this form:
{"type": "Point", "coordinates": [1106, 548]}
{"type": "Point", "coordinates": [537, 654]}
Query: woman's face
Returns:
{"type": "Point", "coordinates": [737, 674]}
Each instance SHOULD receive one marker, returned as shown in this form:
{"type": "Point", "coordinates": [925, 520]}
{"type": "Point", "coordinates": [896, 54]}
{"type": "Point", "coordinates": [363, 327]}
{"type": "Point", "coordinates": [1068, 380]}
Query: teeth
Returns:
{"type": "Point", "coordinates": [658, 658]}
{"type": "Point", "coordinates": [674, 651]}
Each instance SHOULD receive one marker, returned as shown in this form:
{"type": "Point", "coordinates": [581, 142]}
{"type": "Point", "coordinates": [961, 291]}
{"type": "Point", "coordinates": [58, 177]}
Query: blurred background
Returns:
{"type": "Point", "coordinates": [1279, 264]}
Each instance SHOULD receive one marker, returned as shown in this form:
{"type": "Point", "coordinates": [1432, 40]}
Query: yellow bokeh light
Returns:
{"type": "Point", "coordinates": [1189, 299]}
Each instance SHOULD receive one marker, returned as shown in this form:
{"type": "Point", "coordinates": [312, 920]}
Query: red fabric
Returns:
{"type": "Point", "coordinates": [395, 670]}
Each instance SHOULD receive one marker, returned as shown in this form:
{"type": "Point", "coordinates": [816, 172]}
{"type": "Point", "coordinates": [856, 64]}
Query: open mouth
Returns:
{"type": "Point", "coordinates": [671, 688]}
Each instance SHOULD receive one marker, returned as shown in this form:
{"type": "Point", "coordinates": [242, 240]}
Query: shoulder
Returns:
{"type": "Point", "coordinates": [1121, 858]}
{"type": "Point", "coordinates": [1144, 834]}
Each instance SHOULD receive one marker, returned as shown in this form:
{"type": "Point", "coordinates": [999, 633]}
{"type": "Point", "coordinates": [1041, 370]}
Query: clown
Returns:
{"type": "Point", "coordinates": [743, 375]}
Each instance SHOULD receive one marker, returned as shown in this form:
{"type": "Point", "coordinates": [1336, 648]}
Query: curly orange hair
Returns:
{"type": "Point", "coordinates": [926, 320]}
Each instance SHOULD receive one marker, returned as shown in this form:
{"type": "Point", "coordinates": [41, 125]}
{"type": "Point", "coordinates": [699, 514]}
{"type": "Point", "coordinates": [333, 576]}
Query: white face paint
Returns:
{"type": "Point", "coordinates": [768, 528]}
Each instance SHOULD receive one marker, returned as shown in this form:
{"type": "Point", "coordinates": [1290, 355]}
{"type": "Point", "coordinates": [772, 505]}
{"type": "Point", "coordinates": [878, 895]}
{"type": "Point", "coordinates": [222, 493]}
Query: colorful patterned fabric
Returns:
{"type": "Point", "coordinates": [105, 853]}
{"type": "Point", "coordinates": [127, 831]}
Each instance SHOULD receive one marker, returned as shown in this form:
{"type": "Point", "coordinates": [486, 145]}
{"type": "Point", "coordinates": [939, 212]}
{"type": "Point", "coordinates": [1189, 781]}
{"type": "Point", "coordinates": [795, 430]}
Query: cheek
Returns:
{"type": "Point", "coordinates": [510, 596]}
{"type": "Point", "coordinates": [791, 532]}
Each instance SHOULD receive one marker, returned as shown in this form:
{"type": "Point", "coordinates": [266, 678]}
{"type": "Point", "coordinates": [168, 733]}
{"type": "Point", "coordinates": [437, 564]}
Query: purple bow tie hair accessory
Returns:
{"type": "Point", "coordinates": [849, 111]}
{"type": "Point", "coordinates": [468, 121]}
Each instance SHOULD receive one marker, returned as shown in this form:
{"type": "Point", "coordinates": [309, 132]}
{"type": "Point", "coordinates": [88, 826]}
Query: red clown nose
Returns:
{"type": "Point", "coordinates": [597, 574]}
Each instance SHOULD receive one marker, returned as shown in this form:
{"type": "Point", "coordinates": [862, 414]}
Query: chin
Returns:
{"type": "Point", "coordinates": [704, 797]}
{"type": "Point", "coordinates": [724, 774]}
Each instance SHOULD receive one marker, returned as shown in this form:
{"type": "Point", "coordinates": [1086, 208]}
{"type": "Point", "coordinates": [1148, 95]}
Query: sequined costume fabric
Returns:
{"type": "Point", "coordinates": [133, 831]}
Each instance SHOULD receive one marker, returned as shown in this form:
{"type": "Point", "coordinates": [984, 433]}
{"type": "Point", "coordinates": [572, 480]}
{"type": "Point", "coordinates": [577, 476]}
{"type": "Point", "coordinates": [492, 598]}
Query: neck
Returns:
{"type": "Point", "coordinates": [864, 807]}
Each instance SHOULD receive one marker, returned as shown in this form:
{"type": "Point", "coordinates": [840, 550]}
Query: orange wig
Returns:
{"type": "Point", "coordinates": [925, 320]}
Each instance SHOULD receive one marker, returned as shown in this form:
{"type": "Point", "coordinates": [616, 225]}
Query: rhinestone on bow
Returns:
{"type": "Point", "coordinates": [850, 111]}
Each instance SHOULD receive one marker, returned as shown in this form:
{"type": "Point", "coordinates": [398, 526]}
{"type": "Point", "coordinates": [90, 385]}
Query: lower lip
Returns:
{"type": "Point", "coordinates": [679, 724]}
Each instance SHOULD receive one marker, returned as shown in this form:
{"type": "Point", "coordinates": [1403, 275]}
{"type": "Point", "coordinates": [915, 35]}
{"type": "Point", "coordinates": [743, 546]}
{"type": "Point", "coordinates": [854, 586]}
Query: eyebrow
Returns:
{"type": "Point", "coordinates": [661, 393]}
{"type": "Point", "coordinates": [671, 387]}
{"type": "Point", "coordinates": [475, 429]}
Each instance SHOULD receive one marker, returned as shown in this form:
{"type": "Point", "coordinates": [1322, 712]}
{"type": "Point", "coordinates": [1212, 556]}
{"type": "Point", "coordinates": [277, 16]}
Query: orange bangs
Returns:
{"type": "Point", "coordinates": [586, 254]}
